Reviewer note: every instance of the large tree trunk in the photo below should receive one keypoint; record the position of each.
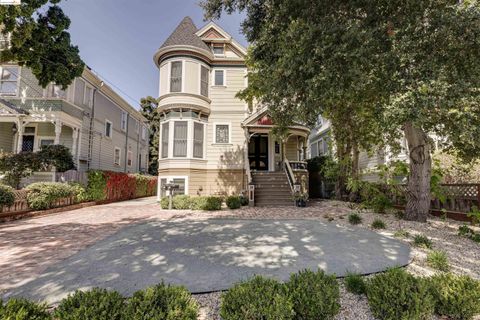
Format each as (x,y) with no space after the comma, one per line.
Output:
(418,193)
(343,156)
(354,196)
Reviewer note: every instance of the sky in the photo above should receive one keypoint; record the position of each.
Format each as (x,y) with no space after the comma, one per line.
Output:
(118,38)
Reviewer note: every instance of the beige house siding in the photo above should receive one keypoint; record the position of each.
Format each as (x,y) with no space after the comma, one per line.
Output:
(291,149)
(6,138)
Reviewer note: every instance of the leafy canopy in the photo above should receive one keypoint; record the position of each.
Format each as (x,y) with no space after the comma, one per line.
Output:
(40,41)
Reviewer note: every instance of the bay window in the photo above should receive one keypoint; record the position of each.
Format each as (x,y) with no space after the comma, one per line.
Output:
(182,139)
(9,80)
(176,76)
(180,135)
(165,127)
(204,81)
(198,140)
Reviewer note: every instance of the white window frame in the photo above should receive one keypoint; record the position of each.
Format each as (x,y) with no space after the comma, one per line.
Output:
(201,66)
(18,80)
(320,145)
(137,126)
(123,121)
(39,139)
(193,139)
(171,138)
(170,179)
(129,158)
(119,156)
(218,46)
(144,132)
(215,133)
(182,89)
(214,84)
(111,129)
(87,101)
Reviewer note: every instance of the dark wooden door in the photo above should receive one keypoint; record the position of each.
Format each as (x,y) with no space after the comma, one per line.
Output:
(258,153)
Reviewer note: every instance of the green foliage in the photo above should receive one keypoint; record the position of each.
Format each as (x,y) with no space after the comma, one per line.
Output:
(372,195)
(397,295)
(164,202)
(378,224)
(162,302)
(456,297)
(355,283)
(422,241)
(467,232)
(16,166)
(314,295)
(57,155)
(244,200)
(95,304)
(354,218)
(257,299)
(22,309)
(42,195)
(438,260)
(475,215)
(149,110)
(401,234)
(181,202)
(40,41)
(80,192)
(208,203)
(7,197)
(97,183)
(233,202)
(141,189)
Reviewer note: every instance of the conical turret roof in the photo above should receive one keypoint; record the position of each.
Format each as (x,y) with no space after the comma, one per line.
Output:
(184,34)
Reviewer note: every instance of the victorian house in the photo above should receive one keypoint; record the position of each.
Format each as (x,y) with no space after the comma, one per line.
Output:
(211,142)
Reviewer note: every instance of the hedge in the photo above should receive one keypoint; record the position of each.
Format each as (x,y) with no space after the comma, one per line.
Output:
(7,197)
(109,185)
(43,195)
(185,202)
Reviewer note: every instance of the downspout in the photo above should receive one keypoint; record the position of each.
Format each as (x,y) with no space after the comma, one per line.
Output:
(138,147)
(126,144)
(90,131)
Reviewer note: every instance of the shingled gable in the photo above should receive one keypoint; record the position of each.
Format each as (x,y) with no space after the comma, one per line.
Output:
(185,35)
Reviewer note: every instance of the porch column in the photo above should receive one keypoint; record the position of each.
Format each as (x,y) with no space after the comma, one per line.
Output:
(74,143)
(20,130)
(58,131)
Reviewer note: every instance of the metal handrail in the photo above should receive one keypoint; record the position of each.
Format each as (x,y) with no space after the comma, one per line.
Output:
(289,173)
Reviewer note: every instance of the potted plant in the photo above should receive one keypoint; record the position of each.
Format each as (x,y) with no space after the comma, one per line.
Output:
(300,199)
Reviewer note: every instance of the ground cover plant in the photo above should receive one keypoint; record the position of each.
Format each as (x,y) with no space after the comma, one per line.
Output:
(422,241)
(438,260)
(354,218)
(378,224)
(355,283)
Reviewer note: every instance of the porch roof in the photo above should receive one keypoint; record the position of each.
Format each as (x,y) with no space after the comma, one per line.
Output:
(260,121)
(7,108)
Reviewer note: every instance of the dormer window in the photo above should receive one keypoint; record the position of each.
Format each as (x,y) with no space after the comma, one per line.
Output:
(219,50)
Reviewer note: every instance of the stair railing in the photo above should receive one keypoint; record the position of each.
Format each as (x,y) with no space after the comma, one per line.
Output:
(290,176)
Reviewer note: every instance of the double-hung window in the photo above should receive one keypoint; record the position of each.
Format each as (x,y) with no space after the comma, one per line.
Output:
(176,76)
(108,129)
(129,158)
(165,129)
(180,138)
(204,81)
(219,77)
(117,156)
(9,80)
(124,121)
(88,97)
(219,50)
(198,134)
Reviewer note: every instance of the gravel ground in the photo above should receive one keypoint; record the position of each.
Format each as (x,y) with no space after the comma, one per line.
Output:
(463,254)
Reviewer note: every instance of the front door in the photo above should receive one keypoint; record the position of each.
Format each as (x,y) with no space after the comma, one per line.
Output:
(258,152)
(28,142)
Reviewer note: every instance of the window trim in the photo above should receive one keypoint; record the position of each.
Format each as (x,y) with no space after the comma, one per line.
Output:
(170,179)
(202,66)
(86,102)
(214,84)
(203,140)
(39,139)
(221,55)
(119,156)
(167,124)
(187,156)
(182,82)
(122,122)
(19,73)
(215,124)
(129,153)
(111,129)
(144,132)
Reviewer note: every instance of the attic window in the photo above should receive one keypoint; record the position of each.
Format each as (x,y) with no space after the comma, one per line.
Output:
(218,50)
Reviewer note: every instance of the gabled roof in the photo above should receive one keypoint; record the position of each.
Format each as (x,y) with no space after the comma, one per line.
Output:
(185,34)
(212,31)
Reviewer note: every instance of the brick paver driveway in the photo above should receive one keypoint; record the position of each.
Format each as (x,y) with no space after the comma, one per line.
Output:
(28,247)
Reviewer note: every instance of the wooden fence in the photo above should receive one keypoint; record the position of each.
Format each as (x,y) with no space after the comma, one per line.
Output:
(72,176)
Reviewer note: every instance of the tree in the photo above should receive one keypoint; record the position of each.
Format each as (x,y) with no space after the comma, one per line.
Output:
(149,106)
(39,40)
(413,65)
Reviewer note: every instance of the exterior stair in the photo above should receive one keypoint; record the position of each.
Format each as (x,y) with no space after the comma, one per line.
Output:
(272,189)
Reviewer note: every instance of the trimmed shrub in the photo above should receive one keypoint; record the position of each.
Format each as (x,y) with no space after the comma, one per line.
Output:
(120,186)
(23,309)
(244,200)
(181,202)
(378,224)
(162,302)
(81,194)
(457,297)
(208,203)
(57,155)
(164,202)
(145,185)
(397,295)
(438,260)
(257,299)
(97,183)
(314,295)
(95,304)
(42,195)
(233,202)
(422,241)
(354,218)
(355,283)
(7,197)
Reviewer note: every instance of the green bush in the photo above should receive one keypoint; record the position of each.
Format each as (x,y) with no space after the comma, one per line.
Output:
(465,231)
(378,224)
(354,218)
(401,234)
(244,200)
(22,309)
(81,194)
(422,241)
(438,260)
(97,184)
(57,155)
(7,197)
(355,283)
(233,202)
(397,295)
(164,202)
(257,299)
(208,203)
(141,189)
(162,302)
(181,202)
(314,295)
(95,304)
(457,297)
(42,195)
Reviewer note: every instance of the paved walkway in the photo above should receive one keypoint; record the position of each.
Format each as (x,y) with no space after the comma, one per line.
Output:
(133,244)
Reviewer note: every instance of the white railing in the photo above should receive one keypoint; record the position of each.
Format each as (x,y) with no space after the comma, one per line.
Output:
(290,176)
